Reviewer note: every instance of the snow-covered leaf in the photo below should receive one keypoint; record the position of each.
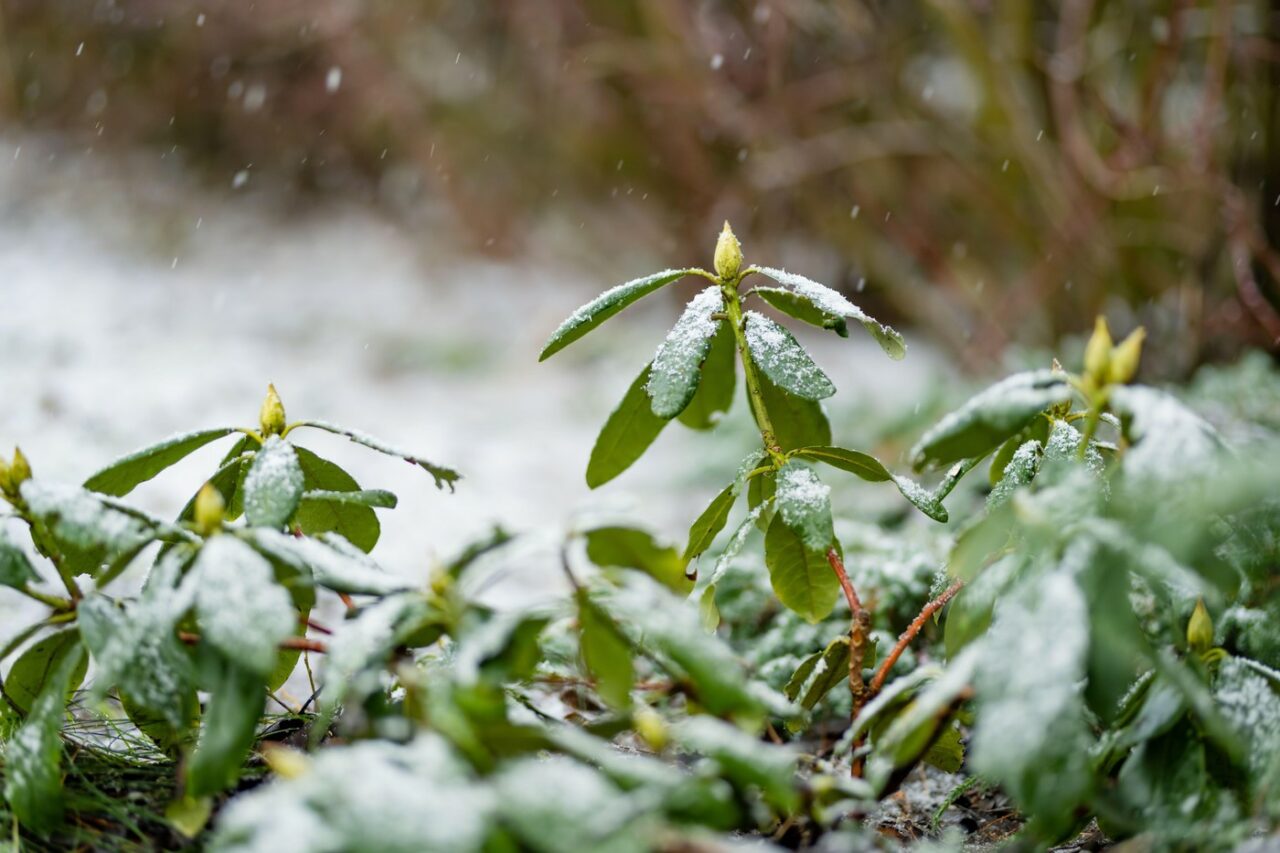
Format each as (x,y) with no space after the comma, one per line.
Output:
(33,756)
(443,476)
(984,422)
(122,476)
(330,560)
(380,498)
(819,673)
(359,648)
(783,360)
(605,306)
(243,612)
(677,365)
(625,436)
(802,308)
(745,760)
(801,577)
(273,486)
(872,470)
(714,396)
(804,503)
(831,302)
(1169,441)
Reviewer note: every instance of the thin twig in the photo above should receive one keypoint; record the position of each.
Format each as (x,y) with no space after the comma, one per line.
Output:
(859,628)
(305,644)
(910,634)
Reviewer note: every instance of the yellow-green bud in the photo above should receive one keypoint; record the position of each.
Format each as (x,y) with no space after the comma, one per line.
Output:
(209,510)
(728,258)
(5,483)
(1097,353)
(286,762)
(651,728)
(19,471)
(1200,629)
(1125,357)
(271,417)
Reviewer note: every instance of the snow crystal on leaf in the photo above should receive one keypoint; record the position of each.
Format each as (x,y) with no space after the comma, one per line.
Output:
(274,484)
(329,559)
(805,504)
(243,612)
(833,302)
(748,464)
(783,360)
(1249,701)
(739,538)
(85,521)
(673,376)
(1020,470)
(360,646)
(1169,440)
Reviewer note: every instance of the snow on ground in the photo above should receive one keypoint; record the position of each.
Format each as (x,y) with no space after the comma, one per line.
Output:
(135,303)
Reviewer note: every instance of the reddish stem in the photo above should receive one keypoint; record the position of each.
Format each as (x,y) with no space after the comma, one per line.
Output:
(904,640)
(305,644)
(859,628)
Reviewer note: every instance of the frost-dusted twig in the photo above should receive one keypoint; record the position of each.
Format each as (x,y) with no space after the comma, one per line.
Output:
(304,644)
(859,629)
(904,639)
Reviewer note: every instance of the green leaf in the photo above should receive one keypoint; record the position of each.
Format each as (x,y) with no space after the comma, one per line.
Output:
(33,756)
(228,480)
(123,476)
(380,498)
(803,309)
(744,759)
(629,548)
(354,521)
(946,750)
(801,577)
(783,360)
(273,486)
(167,738)
(677,366)
(626,434)
(243,612)
(714,396)
(606,653)
(804,505)
(327,558)
(796,422)
(991,418)
(869,468)
(832,302)
(819,673)
(227,735)
(42,661)
(605,306)
(360,647)
(443,476)
(137,648)
(709,524)
(15,567)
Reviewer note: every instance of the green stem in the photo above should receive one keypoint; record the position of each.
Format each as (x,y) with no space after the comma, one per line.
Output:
(733,309)
(44,598)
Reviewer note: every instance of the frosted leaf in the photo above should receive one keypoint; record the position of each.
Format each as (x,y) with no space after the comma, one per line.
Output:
(359,647)
(833,302)
(1169,440)
(783,360)
(243,612)
(273,486)
(92,528)
(742,757)
(676,368)
(397,798)
(805,505)
(921,498)
(136,648)
(442,475)
(749,463)
(329,559)
(1250,702)
(32,757)
(990,417)
(558,804)
(736,542)
(1030,712)
(125,473)
(1020,471)
(605,306)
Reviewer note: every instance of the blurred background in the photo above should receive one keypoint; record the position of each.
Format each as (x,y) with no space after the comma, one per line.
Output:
(385,207)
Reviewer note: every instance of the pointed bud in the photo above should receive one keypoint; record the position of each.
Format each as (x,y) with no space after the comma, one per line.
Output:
(209,510)
(651,727)
(1125,357)
(1200,629)
(19,471)
(6,484)
(271,417)
(1097,353)
(285,761)
(728,258)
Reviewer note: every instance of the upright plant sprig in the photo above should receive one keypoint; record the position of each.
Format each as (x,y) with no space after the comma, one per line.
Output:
(692,377)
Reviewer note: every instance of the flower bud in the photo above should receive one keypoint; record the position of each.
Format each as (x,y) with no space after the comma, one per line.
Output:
(285,761)
(651,727)
(5,474)
(1125,357)
(209,510)
(1200,629)
(271,417)
(1097,353)
(19,470)
(728,258)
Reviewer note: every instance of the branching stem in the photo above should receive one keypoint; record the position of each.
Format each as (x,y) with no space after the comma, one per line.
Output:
(859,630)
(913,630)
